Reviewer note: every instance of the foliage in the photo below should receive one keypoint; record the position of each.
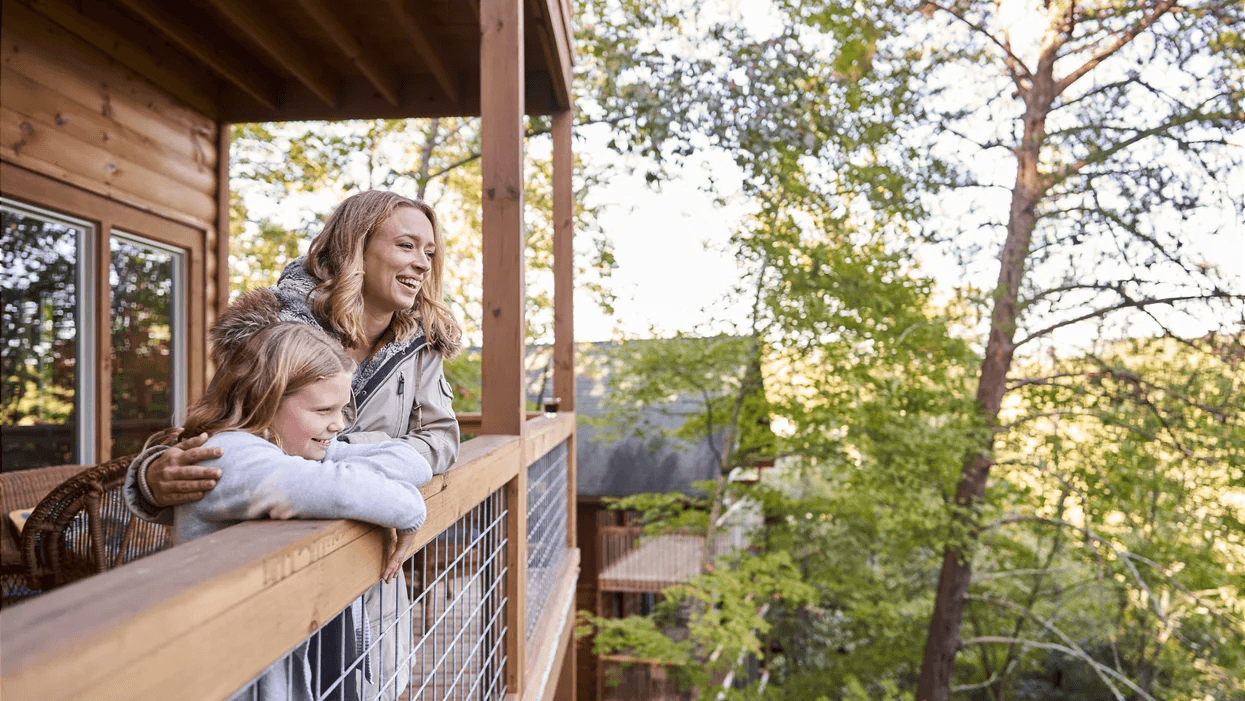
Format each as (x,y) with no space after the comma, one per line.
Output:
(858,130)
(667,512)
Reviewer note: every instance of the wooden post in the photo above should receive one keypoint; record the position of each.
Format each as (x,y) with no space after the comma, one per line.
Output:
(516,583)
(222,220)
(501,159)
(564,336)
(563,264)
(502,400)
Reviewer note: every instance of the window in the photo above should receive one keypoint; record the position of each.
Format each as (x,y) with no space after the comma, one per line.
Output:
(148,339)
(59,403)
(47,408)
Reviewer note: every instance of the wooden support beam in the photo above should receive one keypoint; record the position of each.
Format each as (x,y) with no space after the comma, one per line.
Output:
(501,160)
(424,48)
(363,59)
(516,581)
(244,76)
(222,219)
(274,43)
(563,263)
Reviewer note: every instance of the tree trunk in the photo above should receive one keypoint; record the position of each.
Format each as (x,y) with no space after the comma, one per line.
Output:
(943,640)
(425,158)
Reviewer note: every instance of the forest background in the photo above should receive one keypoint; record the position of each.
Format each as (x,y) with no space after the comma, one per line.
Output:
(1021,479)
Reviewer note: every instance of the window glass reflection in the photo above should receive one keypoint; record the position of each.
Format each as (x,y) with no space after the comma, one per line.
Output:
(39,356)
(145,279)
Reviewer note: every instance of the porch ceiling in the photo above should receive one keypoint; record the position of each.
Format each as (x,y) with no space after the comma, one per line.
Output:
(290,60)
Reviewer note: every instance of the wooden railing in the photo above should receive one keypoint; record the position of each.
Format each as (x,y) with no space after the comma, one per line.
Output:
(205,618)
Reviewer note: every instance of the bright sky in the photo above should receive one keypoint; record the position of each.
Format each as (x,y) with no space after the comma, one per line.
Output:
(671,248)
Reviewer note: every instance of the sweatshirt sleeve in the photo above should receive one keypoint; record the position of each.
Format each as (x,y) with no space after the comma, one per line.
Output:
(374,483)
(138,495)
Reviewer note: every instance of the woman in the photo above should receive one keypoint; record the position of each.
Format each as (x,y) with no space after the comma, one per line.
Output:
(372,280)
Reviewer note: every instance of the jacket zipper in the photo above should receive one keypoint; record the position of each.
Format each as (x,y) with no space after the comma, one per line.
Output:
(401,404)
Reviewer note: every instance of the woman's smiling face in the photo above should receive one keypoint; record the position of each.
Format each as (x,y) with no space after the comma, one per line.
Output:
(396,260)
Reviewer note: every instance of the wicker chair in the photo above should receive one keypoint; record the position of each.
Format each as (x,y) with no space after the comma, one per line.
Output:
(23,490)
(83,528)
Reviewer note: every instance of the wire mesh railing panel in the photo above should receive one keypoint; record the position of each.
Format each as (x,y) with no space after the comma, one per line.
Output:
(546,528)
(436,632)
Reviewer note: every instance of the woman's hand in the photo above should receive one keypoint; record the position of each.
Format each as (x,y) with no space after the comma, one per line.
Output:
(396,545)
(175,478)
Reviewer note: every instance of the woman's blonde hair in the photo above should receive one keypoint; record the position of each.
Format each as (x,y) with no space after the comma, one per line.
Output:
(336,260)
(271,365)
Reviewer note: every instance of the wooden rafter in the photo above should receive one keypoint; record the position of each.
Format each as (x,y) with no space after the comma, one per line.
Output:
(274,43)
(192,42)
(550,33)
(354,50)
(424,48)
(561,46)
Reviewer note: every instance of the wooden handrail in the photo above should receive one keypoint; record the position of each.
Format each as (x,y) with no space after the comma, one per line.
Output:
(212,614)
(542,433)
(473,421)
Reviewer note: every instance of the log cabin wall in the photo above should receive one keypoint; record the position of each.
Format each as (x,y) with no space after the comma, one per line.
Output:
(114,131)
(74,114)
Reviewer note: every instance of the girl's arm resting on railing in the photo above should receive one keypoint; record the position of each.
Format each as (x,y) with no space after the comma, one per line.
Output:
(377,483)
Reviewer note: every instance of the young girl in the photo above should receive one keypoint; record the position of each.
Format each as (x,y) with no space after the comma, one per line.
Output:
(275,406)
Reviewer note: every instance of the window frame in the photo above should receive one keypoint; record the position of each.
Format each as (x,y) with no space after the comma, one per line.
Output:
(55,199)
(181,295)
(85,402)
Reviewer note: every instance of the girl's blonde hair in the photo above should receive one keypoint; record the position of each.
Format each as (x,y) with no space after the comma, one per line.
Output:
(336,259)
(271,365)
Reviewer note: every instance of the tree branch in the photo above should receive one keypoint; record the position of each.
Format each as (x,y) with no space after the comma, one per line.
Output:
(1052,628)
(1016,68)
(1128,304)
(1098,666)
(1121,40)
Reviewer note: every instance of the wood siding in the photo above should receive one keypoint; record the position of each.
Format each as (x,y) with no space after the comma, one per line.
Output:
(71,112)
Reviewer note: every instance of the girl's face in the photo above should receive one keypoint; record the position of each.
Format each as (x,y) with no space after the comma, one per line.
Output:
(309,419)
(397,259)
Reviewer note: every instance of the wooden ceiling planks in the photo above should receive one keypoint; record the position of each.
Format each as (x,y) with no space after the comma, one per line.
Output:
(363,58)
(274,43)
(424,47)
(256,83)
(292,60)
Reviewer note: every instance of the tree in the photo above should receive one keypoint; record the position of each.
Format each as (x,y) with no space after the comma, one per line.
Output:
(1113,122)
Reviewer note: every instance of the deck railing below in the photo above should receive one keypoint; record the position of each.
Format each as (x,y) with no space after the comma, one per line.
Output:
(208,618)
